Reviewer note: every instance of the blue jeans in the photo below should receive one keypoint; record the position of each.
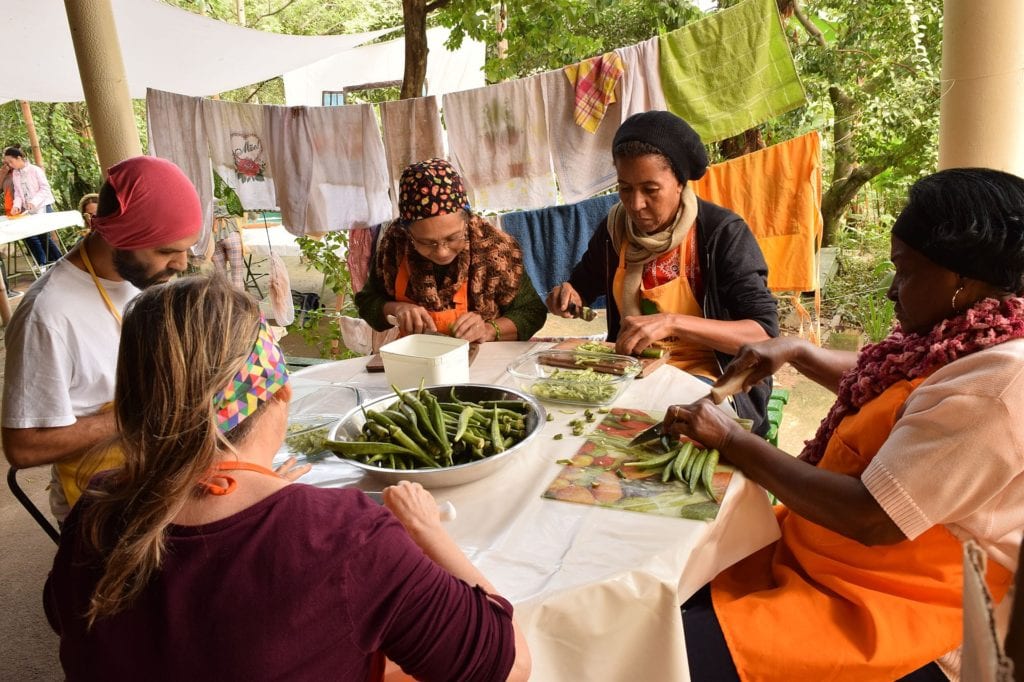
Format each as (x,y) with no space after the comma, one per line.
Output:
(42,246)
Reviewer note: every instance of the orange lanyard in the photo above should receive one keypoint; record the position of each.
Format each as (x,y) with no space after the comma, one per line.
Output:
(207,484)
(99,285)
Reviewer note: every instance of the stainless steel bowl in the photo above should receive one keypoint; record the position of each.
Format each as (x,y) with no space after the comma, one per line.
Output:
(350,425)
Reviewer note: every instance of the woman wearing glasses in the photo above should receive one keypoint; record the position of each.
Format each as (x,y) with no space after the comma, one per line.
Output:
(442,268)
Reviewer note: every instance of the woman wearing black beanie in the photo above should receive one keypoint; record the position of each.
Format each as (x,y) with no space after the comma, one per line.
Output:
(676,271)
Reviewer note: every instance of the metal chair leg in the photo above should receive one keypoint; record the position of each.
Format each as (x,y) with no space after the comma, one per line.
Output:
(40,518)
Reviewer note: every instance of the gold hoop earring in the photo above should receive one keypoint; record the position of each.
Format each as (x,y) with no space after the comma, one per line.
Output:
(955,294)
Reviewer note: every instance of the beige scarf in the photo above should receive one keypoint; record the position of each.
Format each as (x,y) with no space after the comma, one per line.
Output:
(642,248)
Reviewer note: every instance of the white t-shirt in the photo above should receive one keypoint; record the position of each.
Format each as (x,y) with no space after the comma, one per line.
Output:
(956,455)
(62,349)
(62,354)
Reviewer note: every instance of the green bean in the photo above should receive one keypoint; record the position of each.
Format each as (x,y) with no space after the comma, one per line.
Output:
(408,443)
(438,423)
(407,424)
(359,448)
(421,412)
(666,473)
(709,473)
(694,468)
(679,464)
(467,414)
(496,440)
(652,462)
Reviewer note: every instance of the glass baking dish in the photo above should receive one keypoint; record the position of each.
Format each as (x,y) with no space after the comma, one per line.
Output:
(574,377)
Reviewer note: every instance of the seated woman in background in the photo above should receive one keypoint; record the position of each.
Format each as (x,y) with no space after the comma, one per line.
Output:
(87,206)
(440,267)
(676,271)
(197,561)
(921,451)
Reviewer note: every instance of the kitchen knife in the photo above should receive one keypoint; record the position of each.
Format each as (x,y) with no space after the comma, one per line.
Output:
(717,394)
(446,509)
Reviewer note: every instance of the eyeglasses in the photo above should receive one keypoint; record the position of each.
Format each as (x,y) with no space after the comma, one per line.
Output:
(451,243)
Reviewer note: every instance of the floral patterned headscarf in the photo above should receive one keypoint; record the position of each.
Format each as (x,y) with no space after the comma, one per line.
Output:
(430,188)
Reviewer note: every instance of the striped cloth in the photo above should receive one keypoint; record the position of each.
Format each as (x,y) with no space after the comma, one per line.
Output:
(595,80)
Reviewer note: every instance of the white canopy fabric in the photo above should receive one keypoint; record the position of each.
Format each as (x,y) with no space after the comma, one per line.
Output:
(163,47)
(447,70)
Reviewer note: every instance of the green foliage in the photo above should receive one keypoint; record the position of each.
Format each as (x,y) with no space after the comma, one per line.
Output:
(548,35)
(874,85)
(65,141)
(322,328)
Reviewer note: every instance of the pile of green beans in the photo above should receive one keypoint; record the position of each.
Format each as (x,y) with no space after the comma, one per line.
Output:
(684,462)
(418,431)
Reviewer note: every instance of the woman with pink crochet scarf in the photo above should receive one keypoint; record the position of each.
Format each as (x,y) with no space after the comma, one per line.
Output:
(922,450)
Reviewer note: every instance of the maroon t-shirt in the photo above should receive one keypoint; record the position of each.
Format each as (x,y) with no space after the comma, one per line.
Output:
(305,585)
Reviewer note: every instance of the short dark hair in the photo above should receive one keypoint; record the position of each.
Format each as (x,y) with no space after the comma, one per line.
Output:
(15,151)
(969,221)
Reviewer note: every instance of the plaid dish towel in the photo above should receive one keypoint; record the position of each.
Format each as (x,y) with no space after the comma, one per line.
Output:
(595,81)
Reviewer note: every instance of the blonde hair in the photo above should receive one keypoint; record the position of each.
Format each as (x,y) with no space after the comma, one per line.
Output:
(181,342)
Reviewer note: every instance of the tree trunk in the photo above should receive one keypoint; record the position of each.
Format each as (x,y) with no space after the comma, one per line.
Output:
(746,142)
(414,18)
(848,176)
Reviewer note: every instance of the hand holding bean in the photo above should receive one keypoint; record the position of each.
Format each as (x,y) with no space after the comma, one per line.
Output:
(471,327)
(412,319)
(414,507)
(702,421)
(560,297)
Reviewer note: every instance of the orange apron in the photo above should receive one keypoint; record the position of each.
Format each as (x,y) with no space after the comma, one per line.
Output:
(816,605)
(443,319)
(673,297)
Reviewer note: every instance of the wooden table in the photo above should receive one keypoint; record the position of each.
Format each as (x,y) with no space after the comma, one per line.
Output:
(597,591)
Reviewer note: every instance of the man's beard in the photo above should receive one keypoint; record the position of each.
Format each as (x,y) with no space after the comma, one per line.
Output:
(129,268)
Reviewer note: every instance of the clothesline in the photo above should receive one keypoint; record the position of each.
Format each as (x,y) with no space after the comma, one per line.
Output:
(516,143)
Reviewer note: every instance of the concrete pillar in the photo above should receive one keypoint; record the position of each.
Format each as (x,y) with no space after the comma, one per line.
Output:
(101,69)
(981,116)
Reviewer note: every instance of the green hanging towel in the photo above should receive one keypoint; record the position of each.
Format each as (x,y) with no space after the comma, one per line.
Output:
(730,71)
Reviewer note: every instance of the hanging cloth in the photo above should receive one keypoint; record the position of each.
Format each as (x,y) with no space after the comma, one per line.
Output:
(730,71)
(498,138)
(594,81)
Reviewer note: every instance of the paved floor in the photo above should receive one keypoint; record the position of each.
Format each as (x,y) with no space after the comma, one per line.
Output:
(28,648)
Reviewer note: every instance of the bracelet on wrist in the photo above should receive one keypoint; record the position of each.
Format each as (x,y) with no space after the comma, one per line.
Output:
(497,329)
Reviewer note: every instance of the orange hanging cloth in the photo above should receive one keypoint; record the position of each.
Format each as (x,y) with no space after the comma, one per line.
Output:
(777,190)
(443,319)
(816,605)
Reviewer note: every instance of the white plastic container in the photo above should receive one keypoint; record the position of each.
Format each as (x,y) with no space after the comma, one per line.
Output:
(427,358)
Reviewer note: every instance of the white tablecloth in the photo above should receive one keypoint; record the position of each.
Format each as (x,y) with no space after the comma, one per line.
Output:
(13,229)
(597,591)
(260,240)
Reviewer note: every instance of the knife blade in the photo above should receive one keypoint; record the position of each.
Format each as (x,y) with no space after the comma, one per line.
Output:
(393,321)
(446,509)
(718,395)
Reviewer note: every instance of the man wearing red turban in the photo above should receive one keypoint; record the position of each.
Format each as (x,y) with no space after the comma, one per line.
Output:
(62,342)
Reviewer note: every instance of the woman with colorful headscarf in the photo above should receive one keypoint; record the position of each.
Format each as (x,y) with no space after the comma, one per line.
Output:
(675,270)
(440,267)
(922,450)
(198,561)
